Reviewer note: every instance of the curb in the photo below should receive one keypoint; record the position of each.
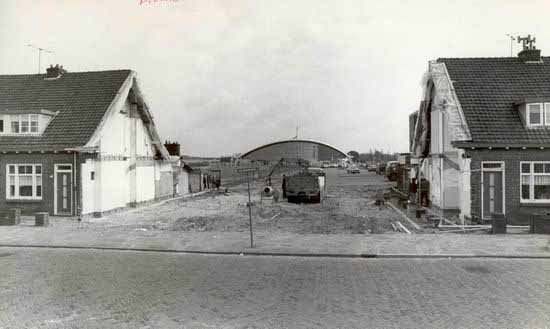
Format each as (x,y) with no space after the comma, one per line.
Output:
(285,254)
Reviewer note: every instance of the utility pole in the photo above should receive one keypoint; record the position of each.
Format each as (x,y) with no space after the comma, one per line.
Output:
(512,39)
(249,171)
(40,50)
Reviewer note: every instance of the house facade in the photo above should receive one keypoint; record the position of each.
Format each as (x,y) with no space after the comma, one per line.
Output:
(79,143)
(482,135)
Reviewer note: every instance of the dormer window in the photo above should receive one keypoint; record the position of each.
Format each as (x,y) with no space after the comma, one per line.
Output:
(25,124)
(534,114)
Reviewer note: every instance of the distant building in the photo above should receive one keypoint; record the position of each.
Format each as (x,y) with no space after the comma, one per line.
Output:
(79,141)
(482,135)
(293,149)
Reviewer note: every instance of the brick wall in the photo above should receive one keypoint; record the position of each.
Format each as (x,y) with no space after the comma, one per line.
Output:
(515,211)
(47,160)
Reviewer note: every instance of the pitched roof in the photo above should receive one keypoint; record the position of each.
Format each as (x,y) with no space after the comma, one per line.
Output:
(80,98)
(487,89)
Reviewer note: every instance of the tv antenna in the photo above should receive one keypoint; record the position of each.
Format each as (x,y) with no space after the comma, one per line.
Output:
(40,50)
(512,39)
(528,43)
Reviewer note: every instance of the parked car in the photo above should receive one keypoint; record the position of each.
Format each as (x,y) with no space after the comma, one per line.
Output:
(316,170)
(353,170)
(372,167)
(392,170)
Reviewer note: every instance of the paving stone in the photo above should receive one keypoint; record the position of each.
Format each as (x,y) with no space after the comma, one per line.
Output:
(107,289)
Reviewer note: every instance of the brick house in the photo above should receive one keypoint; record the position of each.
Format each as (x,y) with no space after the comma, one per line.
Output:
(78,141)
(482,135)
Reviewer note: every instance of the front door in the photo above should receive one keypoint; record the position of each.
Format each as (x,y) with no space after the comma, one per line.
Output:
(63,189)
(492,193)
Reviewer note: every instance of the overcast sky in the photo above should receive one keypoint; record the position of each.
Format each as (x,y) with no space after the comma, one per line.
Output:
(225,76)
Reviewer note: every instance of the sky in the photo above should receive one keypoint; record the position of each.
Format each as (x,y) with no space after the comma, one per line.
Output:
(225,76)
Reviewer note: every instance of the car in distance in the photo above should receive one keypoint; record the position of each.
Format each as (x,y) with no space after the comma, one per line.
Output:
(392,170)
(316,170)
(372,167)
(353,170)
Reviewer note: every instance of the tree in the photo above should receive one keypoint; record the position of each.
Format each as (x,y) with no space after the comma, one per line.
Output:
(354,155)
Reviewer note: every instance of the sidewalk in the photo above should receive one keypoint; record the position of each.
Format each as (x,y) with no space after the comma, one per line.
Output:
(334,245)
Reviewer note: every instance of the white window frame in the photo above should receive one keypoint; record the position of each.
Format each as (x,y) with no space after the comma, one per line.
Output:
(31,118)
(547,114)
(531,175)
(528,115)
(16,181)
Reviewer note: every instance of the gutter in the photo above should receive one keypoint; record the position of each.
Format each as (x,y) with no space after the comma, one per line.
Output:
(473,145)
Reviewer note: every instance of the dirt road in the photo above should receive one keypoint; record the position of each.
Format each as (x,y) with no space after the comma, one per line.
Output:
(349,208)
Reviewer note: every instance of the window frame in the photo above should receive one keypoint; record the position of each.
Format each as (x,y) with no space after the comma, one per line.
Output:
(531,176)
(21,124)
(17,176)
(528,114)
(546,108)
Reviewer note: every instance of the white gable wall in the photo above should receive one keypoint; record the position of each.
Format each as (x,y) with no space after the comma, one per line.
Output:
(446,170)
(124,168)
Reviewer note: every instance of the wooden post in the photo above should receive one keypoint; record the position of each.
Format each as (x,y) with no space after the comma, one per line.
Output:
(250,213)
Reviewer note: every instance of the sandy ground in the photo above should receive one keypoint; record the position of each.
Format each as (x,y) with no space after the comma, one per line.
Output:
(349,208)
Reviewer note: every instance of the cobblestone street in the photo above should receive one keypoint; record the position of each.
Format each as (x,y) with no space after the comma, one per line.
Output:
(49,288)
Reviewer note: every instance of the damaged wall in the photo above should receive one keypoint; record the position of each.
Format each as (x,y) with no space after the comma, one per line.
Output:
(441,121)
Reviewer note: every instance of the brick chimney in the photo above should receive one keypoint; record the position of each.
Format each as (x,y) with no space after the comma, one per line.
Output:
(173,148)
(54,72)
(529,55)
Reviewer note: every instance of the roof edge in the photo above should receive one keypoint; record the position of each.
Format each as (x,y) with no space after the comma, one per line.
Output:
(293,140)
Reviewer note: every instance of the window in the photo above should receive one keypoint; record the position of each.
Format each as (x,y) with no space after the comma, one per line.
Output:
(33,123)
(14,124)
(547,114)
(24,181)
(24,121)
(20,123)
(534,114)
(535,181)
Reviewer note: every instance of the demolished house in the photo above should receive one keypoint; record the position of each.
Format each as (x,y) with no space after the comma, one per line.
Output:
(482,135)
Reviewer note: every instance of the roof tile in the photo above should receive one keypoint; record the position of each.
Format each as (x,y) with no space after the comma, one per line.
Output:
(487,89)
(82,98)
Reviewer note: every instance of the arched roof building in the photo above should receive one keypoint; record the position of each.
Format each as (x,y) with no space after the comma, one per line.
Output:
(294,149)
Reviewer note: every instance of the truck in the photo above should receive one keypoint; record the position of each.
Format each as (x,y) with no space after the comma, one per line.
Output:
(306,186)
(392,171)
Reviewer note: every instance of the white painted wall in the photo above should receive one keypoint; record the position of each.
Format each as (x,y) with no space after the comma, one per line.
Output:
(435,182)
(465,184)
(113,185)
(88,187)
(451,179)
(113,170)
(183,183)
(145,183)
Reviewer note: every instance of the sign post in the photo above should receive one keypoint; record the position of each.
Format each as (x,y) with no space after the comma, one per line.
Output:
(248,172)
